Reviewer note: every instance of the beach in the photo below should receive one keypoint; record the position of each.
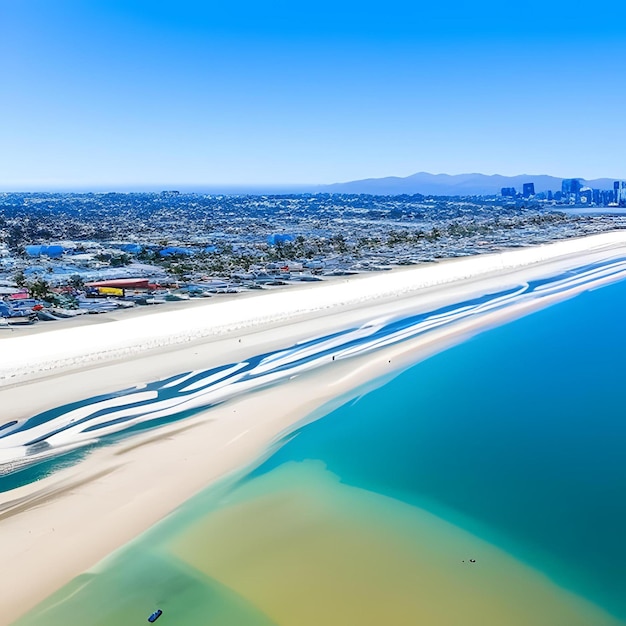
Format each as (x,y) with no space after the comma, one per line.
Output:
(54,529)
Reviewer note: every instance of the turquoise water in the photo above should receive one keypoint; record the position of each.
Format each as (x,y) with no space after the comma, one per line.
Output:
(518,435)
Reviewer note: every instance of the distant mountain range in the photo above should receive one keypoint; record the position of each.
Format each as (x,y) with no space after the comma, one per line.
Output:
(420,183)
(457,185)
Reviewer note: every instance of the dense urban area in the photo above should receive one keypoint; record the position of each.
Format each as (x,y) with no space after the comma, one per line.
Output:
(62,255)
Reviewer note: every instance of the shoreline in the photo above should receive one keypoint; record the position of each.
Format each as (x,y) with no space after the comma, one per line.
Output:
(33,356)
(53,530)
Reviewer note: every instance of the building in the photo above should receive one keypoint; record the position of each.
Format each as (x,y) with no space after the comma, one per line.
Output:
(528,190)
(571,186)
(586,195)
(619,189)
(607,196)
(54,252)
(508,192)
(597,196)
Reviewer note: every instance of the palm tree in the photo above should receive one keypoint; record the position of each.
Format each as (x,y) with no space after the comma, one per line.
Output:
(39,289)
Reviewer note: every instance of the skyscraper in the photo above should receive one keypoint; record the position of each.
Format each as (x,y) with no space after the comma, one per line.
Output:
(571,185)
(597,196)
(586,195)
(619,187)
(529,190)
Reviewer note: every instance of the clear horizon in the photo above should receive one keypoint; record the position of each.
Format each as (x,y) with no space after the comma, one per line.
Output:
(128,94)
(152,187)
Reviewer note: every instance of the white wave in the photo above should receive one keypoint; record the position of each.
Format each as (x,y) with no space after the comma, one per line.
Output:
(222,374)
(82,425)
(62,421)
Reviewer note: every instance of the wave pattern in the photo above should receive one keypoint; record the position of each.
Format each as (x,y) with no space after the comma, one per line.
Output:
(55,432)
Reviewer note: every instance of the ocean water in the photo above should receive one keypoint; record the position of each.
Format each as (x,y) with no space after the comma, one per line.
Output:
(483,486)
(519,434)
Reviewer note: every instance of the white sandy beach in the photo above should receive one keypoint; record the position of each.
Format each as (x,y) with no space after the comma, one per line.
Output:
(53,530)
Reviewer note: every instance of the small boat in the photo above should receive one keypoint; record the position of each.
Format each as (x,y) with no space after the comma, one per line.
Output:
(155,616)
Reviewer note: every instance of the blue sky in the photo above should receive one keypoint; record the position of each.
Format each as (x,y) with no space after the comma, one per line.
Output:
(131,93)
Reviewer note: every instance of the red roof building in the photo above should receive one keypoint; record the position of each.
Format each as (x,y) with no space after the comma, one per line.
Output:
(124,283)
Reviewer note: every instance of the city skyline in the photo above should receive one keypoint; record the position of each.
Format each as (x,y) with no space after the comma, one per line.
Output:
(132,94)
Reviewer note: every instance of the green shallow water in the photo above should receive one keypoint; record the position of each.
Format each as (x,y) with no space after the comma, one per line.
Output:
(131,586)
(507,449)
(296,546)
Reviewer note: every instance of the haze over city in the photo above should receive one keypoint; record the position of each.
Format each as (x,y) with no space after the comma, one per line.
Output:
(111,94)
